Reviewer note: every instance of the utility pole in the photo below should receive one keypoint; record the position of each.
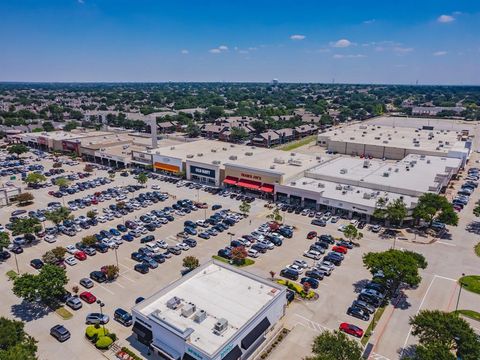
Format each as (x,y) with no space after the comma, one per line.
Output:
(459,293)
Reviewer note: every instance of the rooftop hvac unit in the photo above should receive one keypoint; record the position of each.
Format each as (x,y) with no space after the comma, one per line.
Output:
(220,326)
(318,157)
(321,185)
(272,167)
(199,316)
(366,164)
(293,183)
(248,153)
(232,157)
(224,149)
(172,148)
(396,170)
(352,138)
(216,162)
(377,138)
(418,145)
(174,303)
(367,196)
(188,309)
(200,154)
(189,156)
(213,150)
(343,171)
(386,174)
(338,187)
(385,141)
(278,161)
(428,161)
(344,192)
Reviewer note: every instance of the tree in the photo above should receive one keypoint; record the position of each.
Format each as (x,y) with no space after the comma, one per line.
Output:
(112,272)
(89,240)
(58,215)
(445,330)
(259,126)
(397,267)
(335,346)
(57,165)
(24,198)
(62,182)
(396,211)
(4,240)
(70,126)
(238,134)
(25,226)
(352,233)
(48,126)
(91,214)
(15,343)
(17,149)
(239,254)
(431,206)
(34,178)
(275,215)
(191,262)
(244,207)
(49,258)
(192,130)
(380,211)
(59,252)
(121,204)
(46,287)
(88,168)
(476,209)
(431,352)
(272,274)
(142,178)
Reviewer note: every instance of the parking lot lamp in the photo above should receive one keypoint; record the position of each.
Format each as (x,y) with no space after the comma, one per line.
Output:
(16,262)
(231,235)
(459,293)
(116,257)
(101,304)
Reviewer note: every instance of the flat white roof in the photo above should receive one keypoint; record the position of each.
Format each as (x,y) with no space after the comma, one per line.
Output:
(417,122)
(223,293)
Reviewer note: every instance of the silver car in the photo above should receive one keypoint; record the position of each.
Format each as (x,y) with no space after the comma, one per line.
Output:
(97,318)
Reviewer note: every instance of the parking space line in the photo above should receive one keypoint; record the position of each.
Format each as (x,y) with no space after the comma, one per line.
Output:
(445,243)
(126,277)
(120,285)
(107,290)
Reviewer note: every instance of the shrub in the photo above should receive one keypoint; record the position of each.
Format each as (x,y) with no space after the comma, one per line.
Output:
(93,332)
(112,336)
(104,342)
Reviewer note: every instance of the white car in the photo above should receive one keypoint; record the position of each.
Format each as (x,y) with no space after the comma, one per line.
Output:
(342,227)
(71,261)
(71,249)
(201,223)
(101,219)
(253,253)
(73,207)
(156,187)
(183,246)
(153,247)
(120,198)
(334,219)
(295,268)
(162,244)
(50,238)
(110,243)
(301,263)
(312,254)
(354,222)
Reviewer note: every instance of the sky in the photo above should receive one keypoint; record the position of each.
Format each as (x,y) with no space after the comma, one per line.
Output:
(341,41)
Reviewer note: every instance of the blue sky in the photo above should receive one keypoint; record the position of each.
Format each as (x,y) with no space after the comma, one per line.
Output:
(355,41)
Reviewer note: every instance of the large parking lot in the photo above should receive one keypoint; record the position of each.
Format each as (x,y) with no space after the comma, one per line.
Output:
(336,292)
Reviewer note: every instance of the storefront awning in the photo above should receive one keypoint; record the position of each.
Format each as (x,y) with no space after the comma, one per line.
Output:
(249,184)
(267,188)
(230,180)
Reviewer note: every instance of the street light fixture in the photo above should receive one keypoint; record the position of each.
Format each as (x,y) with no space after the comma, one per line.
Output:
(459,293)
(101,304)
(16,262)
(116,257)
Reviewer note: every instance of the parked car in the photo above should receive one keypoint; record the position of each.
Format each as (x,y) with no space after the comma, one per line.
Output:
(289,274)
(98,276)
(123,317)
(88,297)
(60,333)
(36,264)
(141,268)
(351,329)
(97,318)
(86,283)
(358,313)
(74,303)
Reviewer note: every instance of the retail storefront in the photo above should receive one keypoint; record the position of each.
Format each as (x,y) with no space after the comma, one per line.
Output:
(203,173)
(259,182)
(167,164)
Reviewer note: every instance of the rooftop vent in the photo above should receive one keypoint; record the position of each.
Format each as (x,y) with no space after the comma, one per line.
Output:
(188,309)
(199,316)
(292,154)
(213,150)
(200,154)
(220,326)
(338,187)
(172,148)
(189,156)
(232,157)
(249,153)
(174,303)
(216,162)
(386,174)
(321,185)
(272,167)
(343,171)
(224,149)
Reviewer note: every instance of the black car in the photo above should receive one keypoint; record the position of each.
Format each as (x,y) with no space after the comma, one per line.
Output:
(36,264)
(98,276)
(334,260)
(147,239)
(364,306)
(16,249)
(289,274)
(4,255)
(315,274)
(137,256)
(358,313)
(327,238)
(141,268)
(101,247)
(224,253)
(290,295)
(123,317)
(190,242)
(60,333)
(216,207)
(159,258)
(260,248)
(371,300)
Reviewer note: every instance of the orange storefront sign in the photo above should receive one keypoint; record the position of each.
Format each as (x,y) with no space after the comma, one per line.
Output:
(166,167)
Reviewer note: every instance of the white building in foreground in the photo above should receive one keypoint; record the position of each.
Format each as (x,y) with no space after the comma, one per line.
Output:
(214,312)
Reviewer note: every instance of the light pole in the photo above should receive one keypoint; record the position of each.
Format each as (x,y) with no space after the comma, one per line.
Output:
(231,235)
(459,293)
(101,304)
(116,257)
(16,262)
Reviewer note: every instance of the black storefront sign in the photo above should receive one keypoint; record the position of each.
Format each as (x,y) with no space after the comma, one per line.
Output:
(199,171)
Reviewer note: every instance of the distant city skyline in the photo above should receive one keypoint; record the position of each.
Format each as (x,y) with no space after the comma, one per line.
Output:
(371,42)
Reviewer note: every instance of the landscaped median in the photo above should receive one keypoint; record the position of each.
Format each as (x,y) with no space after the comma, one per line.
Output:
(376,317)
(100,336)
(299,289)
(471,283)
(474,315)
(63,313)
(477,249)
(246,262)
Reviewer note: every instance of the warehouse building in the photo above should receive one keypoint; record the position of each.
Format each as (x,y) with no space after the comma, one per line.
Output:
(214,312)
(352,186)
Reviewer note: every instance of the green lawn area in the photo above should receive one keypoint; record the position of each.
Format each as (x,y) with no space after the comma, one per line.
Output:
(469,313)
(298,288)
(11,274)
(64,313)
(296,144)
(477,249)
(376,317)
(246,263)
(471,283)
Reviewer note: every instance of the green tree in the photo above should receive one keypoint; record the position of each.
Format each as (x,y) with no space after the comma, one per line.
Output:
(259,126)
(58,215)
(192,130)
(142,178)
(48,126)
(15,343)
(397,266)
(352,233)
(4,240)
(59,252)
(431,206)
(112,272)
(394,211)
(62,182)
(91,214)
(431,352)
(445,330)
(25,226)
(34,178)
(244,207)
(49,257)
(70,126)
(89,240)
(275,215)
(46,287)
(380,211)
(238,134)
(24,198)
(191,262)
(214,112)
(476,209)
(17,149)
(335,345)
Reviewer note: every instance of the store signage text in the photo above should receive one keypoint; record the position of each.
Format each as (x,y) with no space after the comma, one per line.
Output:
(250,176)
(202,171)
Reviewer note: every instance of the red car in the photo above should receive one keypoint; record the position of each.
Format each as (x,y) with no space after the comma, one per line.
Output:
(340,249)
(311,235)
(351,329)
(94,201)
(88,297)
(80,255)
(51,193)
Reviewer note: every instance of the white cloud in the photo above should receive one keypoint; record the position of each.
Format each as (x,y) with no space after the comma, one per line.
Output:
(218,50)
(445,19)
(297,37)
(457,13)
(81,1)
(371,21)
(342,43)
(223,48)
(350,56)
(215,51)
(440,53)
(402,50)
(184,51)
